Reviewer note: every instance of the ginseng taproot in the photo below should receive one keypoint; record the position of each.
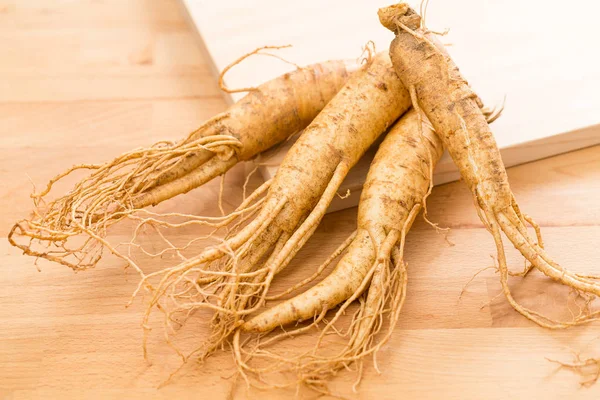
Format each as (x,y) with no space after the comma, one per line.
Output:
(233,278)
(454,110)
(139,178)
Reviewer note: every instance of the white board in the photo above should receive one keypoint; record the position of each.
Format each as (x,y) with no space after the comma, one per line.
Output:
(541,55)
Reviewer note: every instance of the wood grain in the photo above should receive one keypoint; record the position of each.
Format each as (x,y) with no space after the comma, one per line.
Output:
(86,80)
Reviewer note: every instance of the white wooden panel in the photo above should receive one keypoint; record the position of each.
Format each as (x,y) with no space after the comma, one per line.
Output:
(541,55)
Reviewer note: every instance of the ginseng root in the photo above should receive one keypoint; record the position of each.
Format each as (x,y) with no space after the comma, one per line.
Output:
(396,188)
(372,269)
(444,96)
(234,277)
(115,190)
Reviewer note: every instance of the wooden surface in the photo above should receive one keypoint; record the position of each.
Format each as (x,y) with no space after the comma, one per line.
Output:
(503,48)
(86,80)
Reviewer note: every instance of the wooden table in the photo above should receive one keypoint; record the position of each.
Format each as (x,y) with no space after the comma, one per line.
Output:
(81,81)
